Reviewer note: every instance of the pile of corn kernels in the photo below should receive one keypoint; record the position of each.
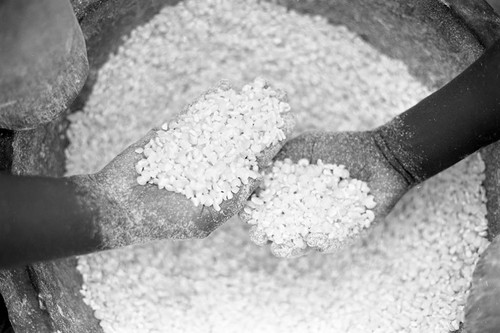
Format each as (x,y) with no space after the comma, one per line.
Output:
(212,149)
(411,274)
(302,205)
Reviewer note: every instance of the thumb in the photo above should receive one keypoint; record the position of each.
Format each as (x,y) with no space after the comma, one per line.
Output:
(302,146)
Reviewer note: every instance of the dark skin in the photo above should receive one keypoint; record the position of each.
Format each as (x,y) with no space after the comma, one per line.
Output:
(441,130)
(359,152)
(362,156)
(148,212)
(46,218)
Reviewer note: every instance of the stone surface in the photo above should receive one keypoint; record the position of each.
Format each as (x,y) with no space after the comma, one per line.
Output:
(44,297)
(480,18)
(482,309)
(43,62)
(433,41)
(21,299)
(491,156)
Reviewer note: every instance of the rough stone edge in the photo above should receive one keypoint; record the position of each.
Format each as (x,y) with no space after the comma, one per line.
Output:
(479,17)
(22,303)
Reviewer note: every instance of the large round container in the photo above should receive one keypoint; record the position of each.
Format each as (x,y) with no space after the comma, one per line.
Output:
(435,39)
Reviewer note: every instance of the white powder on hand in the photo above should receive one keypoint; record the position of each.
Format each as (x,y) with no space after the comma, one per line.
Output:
(212,149)
(304,205)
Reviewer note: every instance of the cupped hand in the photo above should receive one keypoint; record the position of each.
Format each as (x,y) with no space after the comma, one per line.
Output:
(360,153)
(134,213)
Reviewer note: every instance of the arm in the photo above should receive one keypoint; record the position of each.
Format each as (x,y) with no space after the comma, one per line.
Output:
(45,218)
(450,124)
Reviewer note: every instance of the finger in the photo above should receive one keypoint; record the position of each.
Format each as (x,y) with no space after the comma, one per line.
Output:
(300,147)
(266,157)
(193,221)
(162,213)
(351,149)
(231,207)
(335,148)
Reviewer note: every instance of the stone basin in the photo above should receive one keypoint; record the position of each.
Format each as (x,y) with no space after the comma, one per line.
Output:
(435,39)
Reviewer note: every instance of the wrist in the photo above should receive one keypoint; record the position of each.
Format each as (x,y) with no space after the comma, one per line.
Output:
(450,124)
(396,155)
(110,218)
(45,218)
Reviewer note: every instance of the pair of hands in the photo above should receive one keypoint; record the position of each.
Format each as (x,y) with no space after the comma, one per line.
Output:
(134,213)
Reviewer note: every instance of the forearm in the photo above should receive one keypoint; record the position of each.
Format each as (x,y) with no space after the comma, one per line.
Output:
(46,218)
(450,124)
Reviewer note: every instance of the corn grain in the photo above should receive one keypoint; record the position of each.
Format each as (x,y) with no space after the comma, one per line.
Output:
(308,206)
(213,148)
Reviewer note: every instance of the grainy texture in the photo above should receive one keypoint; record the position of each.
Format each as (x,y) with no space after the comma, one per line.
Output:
(131,213)
(22,302)
(485,24)
(480,17)
(308,205)
(210,150)
(104,22)
(359,152)
(435,45)
(492,185)
(6,137)
(58,287)
(41,152)
(169,64)
(411,272)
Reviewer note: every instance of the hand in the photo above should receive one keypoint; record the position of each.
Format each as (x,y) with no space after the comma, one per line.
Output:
(134,213)
(360,154)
